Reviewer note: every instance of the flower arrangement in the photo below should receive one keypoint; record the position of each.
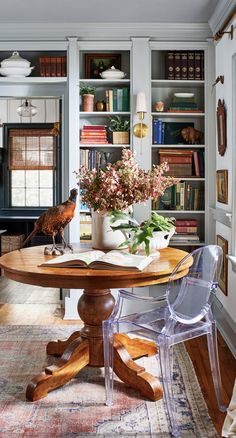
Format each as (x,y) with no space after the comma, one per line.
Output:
(122,184)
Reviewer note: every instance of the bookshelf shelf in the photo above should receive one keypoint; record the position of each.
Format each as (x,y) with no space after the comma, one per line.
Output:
(32,80)
(103,113)
(178,146)
(176,115)
(176,83)
(187,243)
(110,145)
(105,82)
(181,211)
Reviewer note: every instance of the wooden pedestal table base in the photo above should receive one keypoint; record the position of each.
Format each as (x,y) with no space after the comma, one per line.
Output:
(85,347)
(95,305)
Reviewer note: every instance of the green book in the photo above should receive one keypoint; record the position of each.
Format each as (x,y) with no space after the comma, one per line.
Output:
(119,99)
(125,99)
(114,99)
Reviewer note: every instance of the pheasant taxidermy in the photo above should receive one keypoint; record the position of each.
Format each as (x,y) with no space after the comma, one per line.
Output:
(53,221)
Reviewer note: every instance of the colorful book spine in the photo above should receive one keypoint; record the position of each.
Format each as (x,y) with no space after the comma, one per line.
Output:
(125,99)
(59,66)
(196,163)
(119,99)
(184,65)
(115,99)
(53,66)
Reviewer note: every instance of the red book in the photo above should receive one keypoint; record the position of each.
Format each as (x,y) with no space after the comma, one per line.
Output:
(186,222)
(92,127)
(53,66)
(42,65)
(196,163)
(176,159)
(58,66)
(47,66)
(63,66)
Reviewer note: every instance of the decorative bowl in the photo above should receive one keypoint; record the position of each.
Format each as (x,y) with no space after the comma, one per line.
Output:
(159,240)
(184,95)
(16,71)
(112,73)
(15,60)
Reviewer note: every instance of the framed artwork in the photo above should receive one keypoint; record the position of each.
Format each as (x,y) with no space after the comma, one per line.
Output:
(96,63)
(223,279)
(221,127)
(222,186)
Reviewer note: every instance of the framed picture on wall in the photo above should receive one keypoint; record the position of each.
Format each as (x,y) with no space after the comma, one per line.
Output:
(223,279)
(96,63)
(222,186)
(221,127)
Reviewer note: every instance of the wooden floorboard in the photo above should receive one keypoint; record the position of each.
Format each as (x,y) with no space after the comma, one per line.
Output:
(25,304)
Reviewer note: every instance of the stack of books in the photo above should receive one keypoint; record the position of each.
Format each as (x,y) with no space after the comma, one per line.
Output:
(117,99)
(52,66)
(186,231)
(180,161)
(93,134)
(184,103)
(185,65)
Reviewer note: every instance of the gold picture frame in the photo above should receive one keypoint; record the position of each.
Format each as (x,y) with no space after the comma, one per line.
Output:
(223,279)
(93,61)
(222,186)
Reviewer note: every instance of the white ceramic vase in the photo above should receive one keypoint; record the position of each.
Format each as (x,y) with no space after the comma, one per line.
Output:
(103,237)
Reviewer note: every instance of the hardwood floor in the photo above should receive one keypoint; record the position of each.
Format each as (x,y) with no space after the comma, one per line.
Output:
(31,305)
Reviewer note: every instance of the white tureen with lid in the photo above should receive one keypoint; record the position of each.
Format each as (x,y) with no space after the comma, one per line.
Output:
(112,73)
(15,66)
(15,60)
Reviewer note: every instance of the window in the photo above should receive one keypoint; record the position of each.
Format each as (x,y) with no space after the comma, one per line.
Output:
(31,166)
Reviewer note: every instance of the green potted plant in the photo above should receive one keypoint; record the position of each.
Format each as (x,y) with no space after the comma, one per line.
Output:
(120,130)
(152,234)
(87,92)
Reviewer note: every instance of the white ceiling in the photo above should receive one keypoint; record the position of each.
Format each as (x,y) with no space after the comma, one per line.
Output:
(117,11)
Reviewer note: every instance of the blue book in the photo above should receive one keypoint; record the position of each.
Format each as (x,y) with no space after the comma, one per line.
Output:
(159,134)
(155,131)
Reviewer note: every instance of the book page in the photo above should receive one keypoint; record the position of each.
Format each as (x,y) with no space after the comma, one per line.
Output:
(123,259)
(82,258)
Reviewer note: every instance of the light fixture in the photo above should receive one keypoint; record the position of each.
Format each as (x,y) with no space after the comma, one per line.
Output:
(141,129)
(27,109)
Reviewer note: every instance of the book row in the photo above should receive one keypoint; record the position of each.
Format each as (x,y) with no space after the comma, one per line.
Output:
(185,65)
(91,159)
(53,66)
(117,99)
(170,132)
(182,196)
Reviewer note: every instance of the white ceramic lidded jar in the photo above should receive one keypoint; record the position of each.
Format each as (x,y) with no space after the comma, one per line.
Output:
(112,73)
(15,60)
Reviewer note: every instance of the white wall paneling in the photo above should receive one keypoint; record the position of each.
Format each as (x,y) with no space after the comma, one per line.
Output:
(226,66)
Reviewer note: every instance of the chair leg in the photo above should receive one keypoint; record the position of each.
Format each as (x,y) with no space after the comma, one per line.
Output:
(108,342)
(166,363)
(215,367)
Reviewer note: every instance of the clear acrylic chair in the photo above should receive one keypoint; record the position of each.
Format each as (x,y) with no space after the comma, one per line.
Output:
(186,314)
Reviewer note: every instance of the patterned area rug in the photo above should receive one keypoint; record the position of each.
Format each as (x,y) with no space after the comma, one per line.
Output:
(77,409)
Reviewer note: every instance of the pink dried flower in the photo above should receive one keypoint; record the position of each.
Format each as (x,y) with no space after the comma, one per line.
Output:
(122,184)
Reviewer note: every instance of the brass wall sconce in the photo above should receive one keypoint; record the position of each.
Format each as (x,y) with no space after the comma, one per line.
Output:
(141,129)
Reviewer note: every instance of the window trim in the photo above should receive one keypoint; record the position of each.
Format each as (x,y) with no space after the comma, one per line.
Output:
(5,201)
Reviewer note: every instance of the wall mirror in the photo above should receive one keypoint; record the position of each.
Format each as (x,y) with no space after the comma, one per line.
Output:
(221,127)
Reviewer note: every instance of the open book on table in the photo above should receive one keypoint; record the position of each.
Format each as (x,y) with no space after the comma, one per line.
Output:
(114,260)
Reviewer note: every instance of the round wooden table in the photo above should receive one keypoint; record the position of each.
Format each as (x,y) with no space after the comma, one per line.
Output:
(85,347)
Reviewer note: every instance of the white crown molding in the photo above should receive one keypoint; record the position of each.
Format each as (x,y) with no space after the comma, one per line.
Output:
(222,11)
(104,31)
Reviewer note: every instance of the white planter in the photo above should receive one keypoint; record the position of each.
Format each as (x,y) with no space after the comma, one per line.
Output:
(103,237)
(159,240)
